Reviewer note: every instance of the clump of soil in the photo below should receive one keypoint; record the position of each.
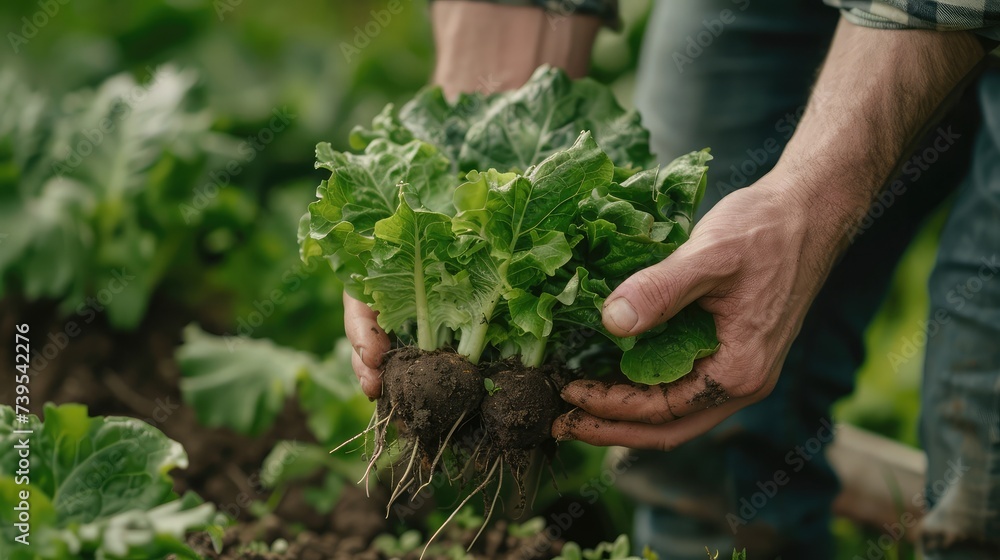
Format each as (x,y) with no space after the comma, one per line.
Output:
(518,416)
(440,403)
(431,392)
(519,413)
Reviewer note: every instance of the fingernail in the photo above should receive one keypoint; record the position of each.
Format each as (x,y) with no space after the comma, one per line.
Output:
(571,393)
(561,428)
(622,314)
(560,431)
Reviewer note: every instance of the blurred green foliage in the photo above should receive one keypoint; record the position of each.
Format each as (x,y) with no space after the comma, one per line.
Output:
(245,60)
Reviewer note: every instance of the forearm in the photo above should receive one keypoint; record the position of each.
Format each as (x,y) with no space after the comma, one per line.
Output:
(492,47)
(876,93)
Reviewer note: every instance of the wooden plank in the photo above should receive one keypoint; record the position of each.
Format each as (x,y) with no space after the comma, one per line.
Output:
(881,478)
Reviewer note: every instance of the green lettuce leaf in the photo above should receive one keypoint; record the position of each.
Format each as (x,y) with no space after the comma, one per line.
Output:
(558,206)
(668,352)
(98,487)
(243,383)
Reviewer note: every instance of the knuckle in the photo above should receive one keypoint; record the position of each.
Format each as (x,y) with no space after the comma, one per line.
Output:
(753,385)
(655,288)
(654,414)
(665,444)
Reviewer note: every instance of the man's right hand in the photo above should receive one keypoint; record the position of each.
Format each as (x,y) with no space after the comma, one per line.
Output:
(370,344)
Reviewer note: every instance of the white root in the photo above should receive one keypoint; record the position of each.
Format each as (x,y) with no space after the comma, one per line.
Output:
(489,478)
(489,514)
(471,461)
(444,445)
(399,487)
(371,426)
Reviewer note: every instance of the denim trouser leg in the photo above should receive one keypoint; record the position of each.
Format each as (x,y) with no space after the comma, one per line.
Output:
(760,479)
(960,426)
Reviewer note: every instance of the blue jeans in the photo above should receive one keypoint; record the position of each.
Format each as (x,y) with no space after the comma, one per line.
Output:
(734,75)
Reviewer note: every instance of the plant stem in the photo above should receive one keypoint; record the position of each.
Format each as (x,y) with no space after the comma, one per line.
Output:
(445,336)
(474,339)
(426,336)
(533,353)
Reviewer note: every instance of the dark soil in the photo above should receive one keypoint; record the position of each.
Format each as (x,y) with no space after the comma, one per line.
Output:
(430,392)
(714,394)
(519,414)
(256,541)
(134,374)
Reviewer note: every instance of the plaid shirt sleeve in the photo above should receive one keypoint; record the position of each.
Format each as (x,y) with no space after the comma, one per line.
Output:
(979,16)
(607,10)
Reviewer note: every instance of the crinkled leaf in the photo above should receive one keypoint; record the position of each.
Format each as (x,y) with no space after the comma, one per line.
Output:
(554,212)
(236,381)
(99,487)
(671,193)
(668,353)
(363,189)
(408,245)
(527,125)
(505,214)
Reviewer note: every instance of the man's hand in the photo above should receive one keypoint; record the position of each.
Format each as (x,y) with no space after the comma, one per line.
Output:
(756,261)
(370,345)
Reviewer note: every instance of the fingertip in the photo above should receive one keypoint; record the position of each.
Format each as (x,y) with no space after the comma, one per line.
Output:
(579,392)
(563,427)
(619,316)
(368,378)
(372,388)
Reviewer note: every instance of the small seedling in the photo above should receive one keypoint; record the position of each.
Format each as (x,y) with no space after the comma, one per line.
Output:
(491,387)
(398,546)
(528,529)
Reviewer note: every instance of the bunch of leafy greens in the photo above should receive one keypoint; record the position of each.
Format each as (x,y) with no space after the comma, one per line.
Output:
(92,488)
(495,224)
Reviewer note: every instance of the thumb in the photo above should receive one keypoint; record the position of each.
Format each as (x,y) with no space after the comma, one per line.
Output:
(655,294)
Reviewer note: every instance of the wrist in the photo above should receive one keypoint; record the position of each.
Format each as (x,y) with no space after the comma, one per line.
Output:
(829,205)
(488,47)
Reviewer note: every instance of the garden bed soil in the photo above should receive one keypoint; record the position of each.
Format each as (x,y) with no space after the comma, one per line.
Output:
(135,374)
